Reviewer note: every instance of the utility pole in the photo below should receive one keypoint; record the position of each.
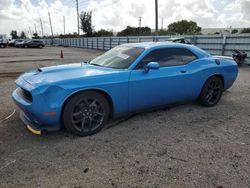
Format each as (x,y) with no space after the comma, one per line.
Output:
(156,17)
(41,26)
(161,23)
(77,10)
(64,25)
(35,28)
(140,25)
(52,36)
(30,31)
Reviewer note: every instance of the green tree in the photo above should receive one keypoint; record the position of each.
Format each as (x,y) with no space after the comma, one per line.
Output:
(234,31)
(133,31)
(13,34)
(184,27)
(165,32)
(103,33)
(23,35)
(86,23)
(69,35)
(35,36)
(245,30)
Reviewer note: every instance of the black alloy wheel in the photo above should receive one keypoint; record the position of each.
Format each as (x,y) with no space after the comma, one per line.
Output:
(211,91)
(86,113)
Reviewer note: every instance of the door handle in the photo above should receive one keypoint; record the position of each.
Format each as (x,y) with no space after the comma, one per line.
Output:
(183,71)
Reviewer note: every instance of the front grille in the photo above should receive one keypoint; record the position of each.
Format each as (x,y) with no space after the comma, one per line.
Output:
(26,95)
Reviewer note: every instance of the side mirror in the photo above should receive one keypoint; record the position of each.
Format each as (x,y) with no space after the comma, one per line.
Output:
(152,65)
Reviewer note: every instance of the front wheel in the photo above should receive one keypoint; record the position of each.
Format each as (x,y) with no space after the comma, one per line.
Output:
(86,113)
(211,91)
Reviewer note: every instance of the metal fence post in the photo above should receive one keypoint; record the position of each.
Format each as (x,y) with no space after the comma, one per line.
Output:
(87,42)
(110,43)
(223,44)
(103,44)
(92,42)
(97,43)
(195,40)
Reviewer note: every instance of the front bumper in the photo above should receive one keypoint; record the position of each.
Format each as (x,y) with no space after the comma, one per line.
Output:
(31,126)
(33,116)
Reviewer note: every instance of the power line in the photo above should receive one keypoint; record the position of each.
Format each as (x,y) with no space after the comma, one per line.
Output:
(97,8)
(103,6)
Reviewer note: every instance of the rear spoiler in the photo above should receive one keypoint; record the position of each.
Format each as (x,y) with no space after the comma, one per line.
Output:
(223,57)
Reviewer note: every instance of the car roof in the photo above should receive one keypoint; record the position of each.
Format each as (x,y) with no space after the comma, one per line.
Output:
(152,45)
(156,44)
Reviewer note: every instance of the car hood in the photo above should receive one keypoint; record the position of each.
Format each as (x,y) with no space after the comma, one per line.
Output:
(59,73)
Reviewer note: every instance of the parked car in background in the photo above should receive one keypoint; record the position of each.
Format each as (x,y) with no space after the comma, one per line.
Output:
(12,42)
(125,80)
(34,43)
(3,41)
(19,43)
(179,40)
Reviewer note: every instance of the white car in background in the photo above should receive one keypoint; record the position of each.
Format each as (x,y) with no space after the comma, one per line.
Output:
(3,41)
(19,43)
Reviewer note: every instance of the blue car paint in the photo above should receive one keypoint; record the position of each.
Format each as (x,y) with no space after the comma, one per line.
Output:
(128,89)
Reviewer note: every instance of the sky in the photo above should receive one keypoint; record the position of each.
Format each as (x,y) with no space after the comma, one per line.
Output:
(115,15)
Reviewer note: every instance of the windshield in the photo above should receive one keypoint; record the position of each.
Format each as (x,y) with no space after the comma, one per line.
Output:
(120,57)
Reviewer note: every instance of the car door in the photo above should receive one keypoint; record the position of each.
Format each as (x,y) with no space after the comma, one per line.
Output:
(32,43)
(169,84)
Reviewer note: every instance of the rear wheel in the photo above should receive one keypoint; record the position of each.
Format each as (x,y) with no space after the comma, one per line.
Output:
(40,46)
(25,46)
(211,91)
(86,113)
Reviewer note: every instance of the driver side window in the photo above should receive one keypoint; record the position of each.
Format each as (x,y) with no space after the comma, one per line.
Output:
(167,57)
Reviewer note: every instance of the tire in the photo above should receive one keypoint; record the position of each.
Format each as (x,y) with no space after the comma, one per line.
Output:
(40,46)
(25,46)
(86,113)
(2,45)
(211,92)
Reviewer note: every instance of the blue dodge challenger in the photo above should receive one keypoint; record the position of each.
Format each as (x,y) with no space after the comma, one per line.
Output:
(125,80)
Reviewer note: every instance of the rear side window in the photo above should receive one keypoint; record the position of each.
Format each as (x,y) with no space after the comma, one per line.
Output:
(168,57)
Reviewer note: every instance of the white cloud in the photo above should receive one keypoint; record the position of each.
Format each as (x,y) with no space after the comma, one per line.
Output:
(117,14)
